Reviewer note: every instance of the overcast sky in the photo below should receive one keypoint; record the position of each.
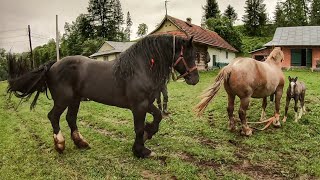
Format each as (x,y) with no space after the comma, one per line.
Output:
(16,15)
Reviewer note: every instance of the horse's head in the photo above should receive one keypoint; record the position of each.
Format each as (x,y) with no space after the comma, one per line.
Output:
(277,55)
(292,85)
(184,62)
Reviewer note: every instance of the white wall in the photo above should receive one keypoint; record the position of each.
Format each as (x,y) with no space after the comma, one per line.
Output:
(220,55)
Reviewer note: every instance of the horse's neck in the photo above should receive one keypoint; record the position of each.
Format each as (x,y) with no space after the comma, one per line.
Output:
(272,62)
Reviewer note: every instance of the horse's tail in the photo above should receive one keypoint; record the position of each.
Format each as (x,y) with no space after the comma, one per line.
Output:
(25,85)
(212,91)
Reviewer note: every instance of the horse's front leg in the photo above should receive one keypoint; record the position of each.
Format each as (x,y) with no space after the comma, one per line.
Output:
(296,109)
(152,128)
(244,104)
(139,114)
(286,109)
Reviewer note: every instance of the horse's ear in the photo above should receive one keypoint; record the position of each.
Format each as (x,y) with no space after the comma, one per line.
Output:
(289,78)
(190,40)
(295,79)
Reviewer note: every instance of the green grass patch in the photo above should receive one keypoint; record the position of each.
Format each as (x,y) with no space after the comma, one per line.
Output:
(187,147)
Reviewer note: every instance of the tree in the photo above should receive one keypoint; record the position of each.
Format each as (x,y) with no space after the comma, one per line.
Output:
(230,13)
(3,65)
(296,12)
(211,9)
(118,20)
(255,17)
(129,25)
(315,13)
(223,26)
(279,16)
(142,30)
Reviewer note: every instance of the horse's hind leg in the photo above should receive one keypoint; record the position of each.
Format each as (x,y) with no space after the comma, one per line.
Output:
(244,104)
(54,117)
(71,117)
(230,110)
(264,105)
(286,109)
(152,128)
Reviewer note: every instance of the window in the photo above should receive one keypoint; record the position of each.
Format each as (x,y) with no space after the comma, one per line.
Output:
(105,58)
(227,54)
(214,59)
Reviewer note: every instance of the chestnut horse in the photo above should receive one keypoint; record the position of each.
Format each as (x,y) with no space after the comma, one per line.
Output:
(246,78)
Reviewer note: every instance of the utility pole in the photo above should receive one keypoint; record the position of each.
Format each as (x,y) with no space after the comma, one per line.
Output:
(57,38)
(31,54)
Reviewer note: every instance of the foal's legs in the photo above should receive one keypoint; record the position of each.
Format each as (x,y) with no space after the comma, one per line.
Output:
(230,110)
(139,114)
(71,117)
(54,117)
(152,128)
(264,105)
(244,104)
(296,109)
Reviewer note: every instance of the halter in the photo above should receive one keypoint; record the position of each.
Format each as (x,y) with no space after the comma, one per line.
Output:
(181,58)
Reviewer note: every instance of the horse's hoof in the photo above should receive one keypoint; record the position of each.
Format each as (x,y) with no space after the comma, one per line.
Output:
(144,153)
(284,119)
(152,154)
(60,148)
(59,142)
(83,144)
(246,131)
(277,124)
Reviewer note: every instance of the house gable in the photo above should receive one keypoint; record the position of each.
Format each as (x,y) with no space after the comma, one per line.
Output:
(105,47)
(167,26)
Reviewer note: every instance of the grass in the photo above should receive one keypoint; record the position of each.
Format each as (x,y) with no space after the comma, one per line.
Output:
(187,147)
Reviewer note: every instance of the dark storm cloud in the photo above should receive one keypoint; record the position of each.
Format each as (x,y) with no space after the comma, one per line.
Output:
(40,14)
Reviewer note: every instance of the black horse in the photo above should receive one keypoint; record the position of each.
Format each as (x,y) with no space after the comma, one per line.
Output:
(131,81)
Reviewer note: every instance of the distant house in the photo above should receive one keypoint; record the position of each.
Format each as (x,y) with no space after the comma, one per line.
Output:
(300,45)
(210,46)
(110,50)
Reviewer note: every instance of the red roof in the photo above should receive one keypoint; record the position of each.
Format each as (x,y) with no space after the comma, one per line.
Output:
(199,34)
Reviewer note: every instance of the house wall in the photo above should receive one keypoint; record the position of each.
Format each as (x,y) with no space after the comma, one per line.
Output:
(109,57)
(105,47)
(220,56)
(263,52)
(167,26)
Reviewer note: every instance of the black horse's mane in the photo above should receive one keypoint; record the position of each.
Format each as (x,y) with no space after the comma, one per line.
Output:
(156,47)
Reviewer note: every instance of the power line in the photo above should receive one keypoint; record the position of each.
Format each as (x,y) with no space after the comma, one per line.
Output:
(39,35)
(12,30)
(13,37)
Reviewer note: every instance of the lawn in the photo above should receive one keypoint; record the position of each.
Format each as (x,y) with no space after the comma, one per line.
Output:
(187,147)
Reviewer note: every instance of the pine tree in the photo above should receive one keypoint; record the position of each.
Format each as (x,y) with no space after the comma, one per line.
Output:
(118,19)
(296,12)
(211,9)
(99,9)
(279,16)
(255,17)
(128,28)
(230,13)
(315,13)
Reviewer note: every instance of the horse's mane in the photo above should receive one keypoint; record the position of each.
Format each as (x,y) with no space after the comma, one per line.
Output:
(157,47)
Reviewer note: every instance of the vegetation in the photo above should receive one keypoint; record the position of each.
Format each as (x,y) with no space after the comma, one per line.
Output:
(211,9)
(255,17)
(142,30)
(231,14)
(187,147)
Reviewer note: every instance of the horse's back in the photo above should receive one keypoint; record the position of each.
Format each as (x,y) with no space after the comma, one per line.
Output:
(250,77)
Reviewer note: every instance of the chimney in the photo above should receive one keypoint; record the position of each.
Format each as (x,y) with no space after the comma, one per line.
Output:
(189,20)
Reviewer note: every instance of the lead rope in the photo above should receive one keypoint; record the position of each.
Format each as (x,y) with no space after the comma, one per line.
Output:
(173,74)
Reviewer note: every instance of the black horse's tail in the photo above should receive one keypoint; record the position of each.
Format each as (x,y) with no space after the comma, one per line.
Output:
(25,85)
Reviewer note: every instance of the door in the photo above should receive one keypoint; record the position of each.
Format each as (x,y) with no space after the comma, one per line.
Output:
(309,57)
(296,57)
